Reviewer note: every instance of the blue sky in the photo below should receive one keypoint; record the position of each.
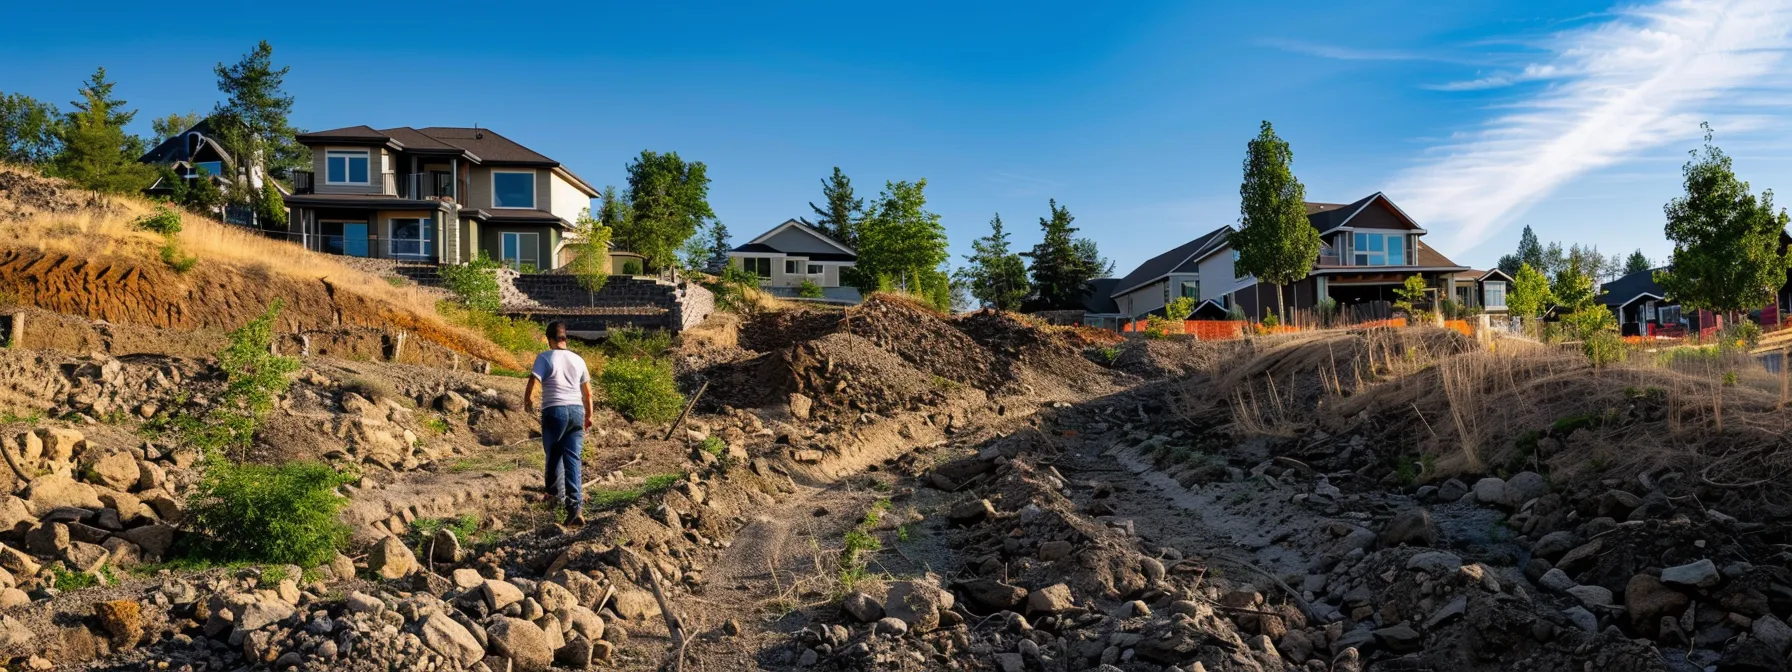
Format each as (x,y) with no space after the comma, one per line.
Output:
(1569,116)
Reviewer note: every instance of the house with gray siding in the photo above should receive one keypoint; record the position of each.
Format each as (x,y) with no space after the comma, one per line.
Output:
(793,253)
(440,195)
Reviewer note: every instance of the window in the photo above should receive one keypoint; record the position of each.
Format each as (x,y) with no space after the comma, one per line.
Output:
(760,266)
(814,269)
(1192,289)
(790,266)
(520,251)
(1495,293)
(513,190)
(207,168)
(412,237)
(345,166)
(1396,250)
(1668,314)
(1237,272)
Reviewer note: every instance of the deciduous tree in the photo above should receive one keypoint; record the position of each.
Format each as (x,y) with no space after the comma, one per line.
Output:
(591,251)
(1274,241)
(1727,255)
(1530,295)
(28,129)
(902,244)
(995,275)
(1062,263)
(669,201)
(174,124)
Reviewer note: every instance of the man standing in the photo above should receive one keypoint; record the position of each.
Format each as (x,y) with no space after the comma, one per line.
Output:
(565,415)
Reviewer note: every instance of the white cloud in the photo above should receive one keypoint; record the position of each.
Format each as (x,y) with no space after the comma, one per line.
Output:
(1614,91)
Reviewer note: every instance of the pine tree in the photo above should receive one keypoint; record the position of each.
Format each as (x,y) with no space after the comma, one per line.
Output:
(1637,262)
(839,215)
(252,120)
(1727,255)
(718,246)
(96,151)
(1061,270)
(995,276)
(1529,250)
(1274,241)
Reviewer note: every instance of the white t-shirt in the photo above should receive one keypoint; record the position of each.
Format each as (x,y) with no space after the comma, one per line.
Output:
(562,373)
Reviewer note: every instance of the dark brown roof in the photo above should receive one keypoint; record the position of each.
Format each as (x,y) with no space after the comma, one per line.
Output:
(1424,256)
(508,216)
(488,144)
(413,140)
(358,134)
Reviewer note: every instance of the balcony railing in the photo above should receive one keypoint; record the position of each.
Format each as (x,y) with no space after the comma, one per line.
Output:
(1331,260)
(432,185)
(304,182)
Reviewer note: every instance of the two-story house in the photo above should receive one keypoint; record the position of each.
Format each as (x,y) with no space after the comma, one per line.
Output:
(440,195)
(1367,250)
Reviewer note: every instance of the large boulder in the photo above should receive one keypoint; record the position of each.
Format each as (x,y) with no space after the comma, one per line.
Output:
(990,595)
(53,491)
(1523,487)
(524,643)
(1490,490)
(59,445)
(1052,599)
(1413,527)
(117,470)
(1701,574)
(445,636)
(1647,599)
(918,603)
(391,559)
(500,594)
(862,607)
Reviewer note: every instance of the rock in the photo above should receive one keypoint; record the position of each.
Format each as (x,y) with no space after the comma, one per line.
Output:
(1053,599)
(391,559)
(49,539)
(1152,569)
(1647,599)
(969,513)
(990,595)
(122,620)
(635,604)
(1413,527)
(117,471)
(122,553)
(1054,550)
(806,455)
(1399,638)
(1557,580)
(1554,544)
(452,403)
(1617,504)
(1701,574)
(85,557)
(1524,487)
(1435,563)
(445,547)
(52,491)
(1583,619)
(1773,632)
(154,539)
(500,594)
(259,614)
(554,598)
(1452,611)
(1592,597)
(1451,490)
(917,603)
(801,406)
(576,653)
(862,607)
(443,634)
(1490,490)
(15,514)
(362,603)
(1134,609)
(59,445)
(1582,555)
(524,643)
(17,562)
(467,579)
(891,626)
(150,476)
(343,567)
(1011,662)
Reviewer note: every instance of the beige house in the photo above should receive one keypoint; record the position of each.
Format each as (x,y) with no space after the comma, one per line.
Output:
(793,253)
(439,195)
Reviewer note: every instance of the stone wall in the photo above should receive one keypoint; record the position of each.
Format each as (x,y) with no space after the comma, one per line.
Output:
(632,300)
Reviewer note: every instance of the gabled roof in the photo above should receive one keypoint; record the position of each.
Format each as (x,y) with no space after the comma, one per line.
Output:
(1627,289)
(793,224)
(174,150)
(1161,265)
(1482,276)
(479,145)
(1099,299)
(357,135)
(1329,217)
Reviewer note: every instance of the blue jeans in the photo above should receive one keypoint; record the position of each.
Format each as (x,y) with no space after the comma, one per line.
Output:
(563,437)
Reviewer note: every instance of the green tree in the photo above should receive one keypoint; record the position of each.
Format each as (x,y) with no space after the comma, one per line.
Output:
(718,246)
(1574,287)
(1727,255)
(172,125)
(252,121)
(1529,252)
(1274,241)
(995,275)
(1061,268)
(590,244)
(1637,262)
(1410,294)
(28,132)
(669,201)
(901,242)
(1530,295)
(96,151)
(1100,266)
(840,212)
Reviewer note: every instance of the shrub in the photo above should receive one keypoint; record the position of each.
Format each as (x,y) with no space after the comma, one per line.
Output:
(1742,335)
(631,267)
(270,207)
(1270,321)
(714,446)
(372,389)
(164,220)
(642,389)
(475,283)
(731,289)
(172,256)
(637,342)
(1179,308)
(1160,327)
(516,334)
(809,290)
(283,514)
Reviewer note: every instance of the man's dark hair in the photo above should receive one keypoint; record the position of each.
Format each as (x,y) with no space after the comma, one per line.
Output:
(556,331)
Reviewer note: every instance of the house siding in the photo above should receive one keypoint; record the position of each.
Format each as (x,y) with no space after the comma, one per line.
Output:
(1217,278)
(564,199)
(491,241)
(796,241)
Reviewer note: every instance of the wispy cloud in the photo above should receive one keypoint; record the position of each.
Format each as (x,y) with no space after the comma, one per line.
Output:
(1344,53)
(1531,73)
(1615,90)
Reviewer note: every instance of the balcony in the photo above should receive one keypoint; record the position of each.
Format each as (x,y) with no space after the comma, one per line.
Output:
(304,182)
(434,186)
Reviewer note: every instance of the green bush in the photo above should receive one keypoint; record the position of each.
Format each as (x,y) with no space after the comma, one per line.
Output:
(475,283)
(283,514)
(809,290)
(1742,335)
(164,220)
(172,256)
(631,267)
(731,289)
(637,342)
(270,207)
(642,389)
(516,334)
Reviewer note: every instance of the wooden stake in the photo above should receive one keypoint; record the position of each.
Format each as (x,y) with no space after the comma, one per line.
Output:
(687,410)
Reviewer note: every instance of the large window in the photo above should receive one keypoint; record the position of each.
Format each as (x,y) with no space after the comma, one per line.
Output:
(513,190)
(412,237)
(521,251)
(345,166)
(760,266)
(1668,314)
(207,168)
(1379,249)
(1495,293)
(1192,289)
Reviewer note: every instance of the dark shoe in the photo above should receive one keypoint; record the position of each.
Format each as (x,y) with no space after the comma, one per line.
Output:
(574,519)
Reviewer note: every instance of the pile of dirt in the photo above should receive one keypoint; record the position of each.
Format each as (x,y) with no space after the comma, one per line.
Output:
(1159,359)
(1055,352)
(768,331)
(29,196)
(929,342)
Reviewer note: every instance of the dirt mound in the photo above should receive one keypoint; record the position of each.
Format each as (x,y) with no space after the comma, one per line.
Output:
(1054,353)
(770,330)
(929,342)
(27,195)
(1156,359)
